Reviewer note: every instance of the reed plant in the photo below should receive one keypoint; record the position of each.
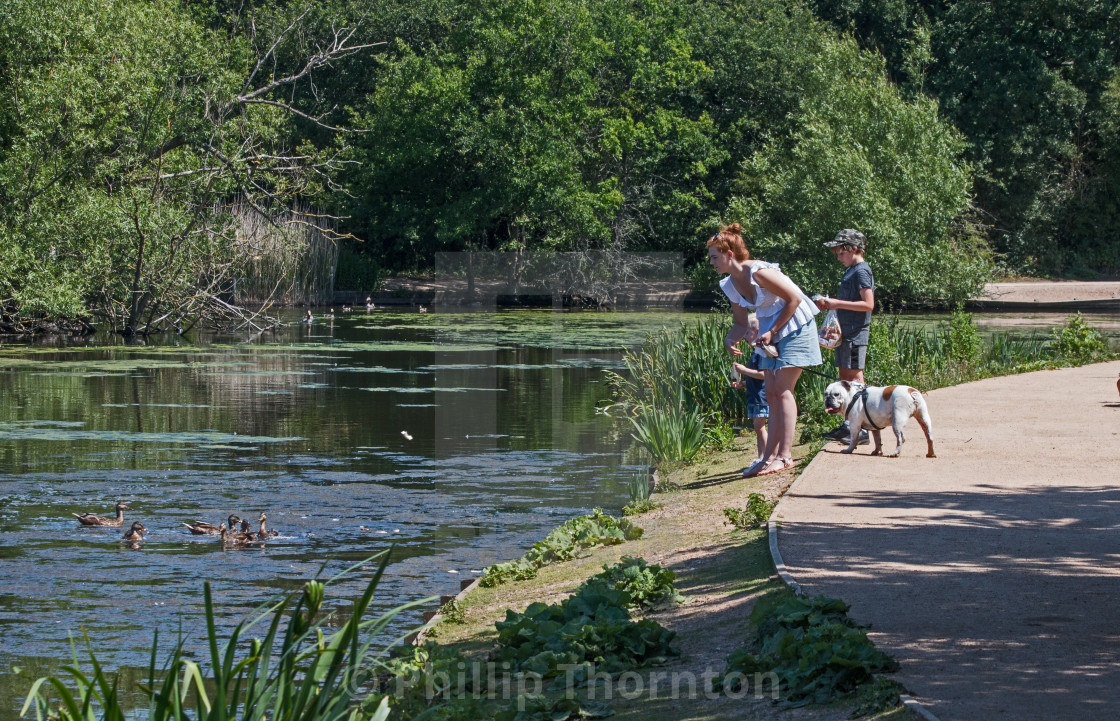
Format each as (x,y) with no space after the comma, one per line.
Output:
(688,360)
(673,433)
(682,372)
(298,669)
(952,352)
(639,486)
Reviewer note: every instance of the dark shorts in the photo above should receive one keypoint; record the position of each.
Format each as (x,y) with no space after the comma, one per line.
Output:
(851,356)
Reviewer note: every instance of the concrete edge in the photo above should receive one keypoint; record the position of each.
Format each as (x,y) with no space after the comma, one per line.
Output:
(787,578)
(418,636)
(911,703)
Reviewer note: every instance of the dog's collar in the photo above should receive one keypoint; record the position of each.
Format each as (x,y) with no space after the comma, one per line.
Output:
(852,403)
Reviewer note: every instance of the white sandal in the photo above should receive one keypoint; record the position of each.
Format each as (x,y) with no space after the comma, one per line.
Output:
(753,466)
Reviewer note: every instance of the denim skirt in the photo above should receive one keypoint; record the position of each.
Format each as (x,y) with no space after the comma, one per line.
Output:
(800,348)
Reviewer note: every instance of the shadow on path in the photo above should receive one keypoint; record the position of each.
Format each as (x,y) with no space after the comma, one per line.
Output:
(992,573)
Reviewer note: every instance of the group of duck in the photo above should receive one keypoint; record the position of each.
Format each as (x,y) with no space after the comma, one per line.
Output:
(238,532)
(309,318)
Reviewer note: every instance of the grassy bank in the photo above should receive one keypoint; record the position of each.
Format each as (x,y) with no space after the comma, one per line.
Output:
(721,570)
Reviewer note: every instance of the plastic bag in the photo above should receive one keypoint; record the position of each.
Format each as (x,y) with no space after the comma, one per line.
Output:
(829,335)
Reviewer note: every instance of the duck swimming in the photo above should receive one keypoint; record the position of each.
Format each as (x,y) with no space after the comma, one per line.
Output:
(233,538)
(203,528)
(136,533)
(264,534)
(88,519)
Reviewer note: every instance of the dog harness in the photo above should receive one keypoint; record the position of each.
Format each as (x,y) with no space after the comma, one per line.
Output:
(862,394)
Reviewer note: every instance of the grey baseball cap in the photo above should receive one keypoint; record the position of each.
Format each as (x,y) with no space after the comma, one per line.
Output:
(848,236)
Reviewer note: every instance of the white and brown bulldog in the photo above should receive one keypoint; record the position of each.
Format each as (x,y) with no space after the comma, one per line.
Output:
(874,408)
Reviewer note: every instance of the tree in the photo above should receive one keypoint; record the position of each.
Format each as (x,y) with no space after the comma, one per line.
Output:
(861,156)
(1026,83)
(129,132)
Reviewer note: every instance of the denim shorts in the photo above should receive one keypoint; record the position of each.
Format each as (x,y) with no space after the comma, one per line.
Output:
(851,356)
(800,348)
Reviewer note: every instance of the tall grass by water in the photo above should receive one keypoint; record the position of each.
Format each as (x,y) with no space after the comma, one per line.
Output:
(690,363)
(297,669)
(674,384)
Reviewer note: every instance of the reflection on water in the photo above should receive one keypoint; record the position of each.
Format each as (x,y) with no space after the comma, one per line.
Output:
(305,424)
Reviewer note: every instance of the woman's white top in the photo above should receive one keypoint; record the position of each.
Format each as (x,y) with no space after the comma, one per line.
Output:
(767,306)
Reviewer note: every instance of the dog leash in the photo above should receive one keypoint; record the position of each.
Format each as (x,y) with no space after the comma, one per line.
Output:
(822,375)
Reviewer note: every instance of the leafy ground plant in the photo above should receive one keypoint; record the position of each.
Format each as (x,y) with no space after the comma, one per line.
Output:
(756,513)
(590,631)
(816,652)
(298,669)
(1078,341)
(650,587)
(563,544)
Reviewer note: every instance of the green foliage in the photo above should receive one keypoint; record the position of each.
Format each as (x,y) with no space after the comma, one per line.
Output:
(962,340)
(950,354)
(1032,88)
(537,124)
(639,487)
(1078,341)
(672,433)
(637,508)
(304,666)
(756,513)
(688,359)
(815,650)
(357,271)
(591,628)
(879,696)
(129,131)
(719,436)
(650,588)
(430,681)
(563,544)
(524,124)
(452,612)
(862,156)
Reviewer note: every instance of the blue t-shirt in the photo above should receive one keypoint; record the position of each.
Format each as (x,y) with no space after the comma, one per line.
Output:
(854,324)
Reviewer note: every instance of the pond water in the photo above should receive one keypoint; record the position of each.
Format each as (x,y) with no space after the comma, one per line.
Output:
(306,424)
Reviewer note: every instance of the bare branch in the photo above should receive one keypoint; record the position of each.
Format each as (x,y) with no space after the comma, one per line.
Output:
(271,50)
(304,115)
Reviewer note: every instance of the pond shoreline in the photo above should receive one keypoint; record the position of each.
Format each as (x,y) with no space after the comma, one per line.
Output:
(721,570)
(1017,296)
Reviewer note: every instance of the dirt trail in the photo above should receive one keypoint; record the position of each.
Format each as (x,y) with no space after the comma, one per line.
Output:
(992,573)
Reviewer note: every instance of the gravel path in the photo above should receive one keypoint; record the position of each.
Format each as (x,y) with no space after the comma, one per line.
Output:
(992,573)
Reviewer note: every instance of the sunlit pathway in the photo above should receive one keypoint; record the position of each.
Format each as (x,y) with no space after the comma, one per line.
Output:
(992,573)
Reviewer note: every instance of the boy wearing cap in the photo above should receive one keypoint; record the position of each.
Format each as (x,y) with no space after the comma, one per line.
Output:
(853,304)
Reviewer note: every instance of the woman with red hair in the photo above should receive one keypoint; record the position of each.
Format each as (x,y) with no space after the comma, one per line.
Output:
(786,322)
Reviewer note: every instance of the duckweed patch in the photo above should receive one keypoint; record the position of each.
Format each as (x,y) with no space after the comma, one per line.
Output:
(563,544)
